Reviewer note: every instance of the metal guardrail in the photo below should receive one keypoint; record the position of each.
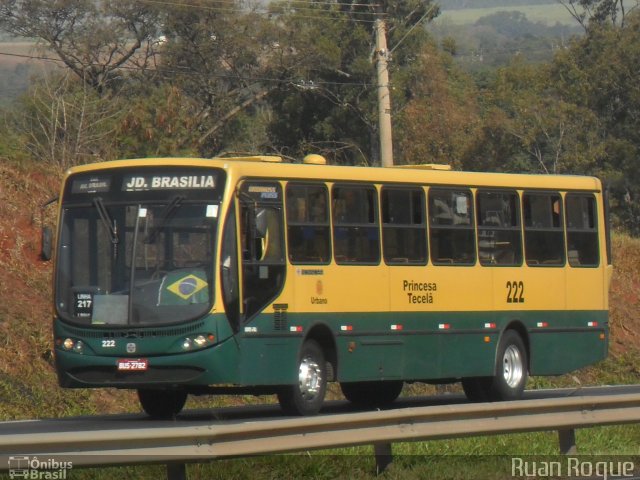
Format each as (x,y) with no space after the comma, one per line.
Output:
(174,443)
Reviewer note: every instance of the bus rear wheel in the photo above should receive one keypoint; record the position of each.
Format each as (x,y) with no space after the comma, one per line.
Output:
(306,396)
(477,388)
(511,368)
(162,403)
(372,394)
(510,373)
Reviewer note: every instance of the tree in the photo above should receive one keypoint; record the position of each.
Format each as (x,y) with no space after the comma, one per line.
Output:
(64,122)
(549,133)
(157,122)
(441,120)
(94,39)
(599,73)
(599,12)
(328,103)
(219,58)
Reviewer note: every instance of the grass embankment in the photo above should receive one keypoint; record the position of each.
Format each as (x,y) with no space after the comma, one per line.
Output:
(28,386)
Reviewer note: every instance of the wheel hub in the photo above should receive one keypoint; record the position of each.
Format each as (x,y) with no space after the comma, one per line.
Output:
(513,369)
(309,378)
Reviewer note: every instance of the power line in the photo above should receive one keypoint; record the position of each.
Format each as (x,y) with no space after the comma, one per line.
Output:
(289,2)
(269,13)
(31,57)
(429,10)
(189,71)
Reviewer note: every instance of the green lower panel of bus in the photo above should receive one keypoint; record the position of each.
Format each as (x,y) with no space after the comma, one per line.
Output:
(561,352)
(362,347)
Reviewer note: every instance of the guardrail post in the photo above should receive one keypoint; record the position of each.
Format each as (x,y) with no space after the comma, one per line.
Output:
(176,471)
(384,457)
(567,440)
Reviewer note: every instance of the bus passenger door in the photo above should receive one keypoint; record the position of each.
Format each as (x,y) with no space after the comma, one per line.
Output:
(262,243)
(229,273)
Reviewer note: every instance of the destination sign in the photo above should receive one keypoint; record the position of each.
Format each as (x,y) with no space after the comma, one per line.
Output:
(137,183)
(91,185)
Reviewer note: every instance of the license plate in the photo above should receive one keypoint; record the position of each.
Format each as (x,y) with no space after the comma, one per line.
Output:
(133,364)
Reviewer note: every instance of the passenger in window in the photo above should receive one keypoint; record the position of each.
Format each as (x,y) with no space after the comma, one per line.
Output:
(346,207)
(555,207)
(318,210)
(296,206)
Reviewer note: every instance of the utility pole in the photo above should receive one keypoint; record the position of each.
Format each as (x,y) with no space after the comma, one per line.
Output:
(384,99)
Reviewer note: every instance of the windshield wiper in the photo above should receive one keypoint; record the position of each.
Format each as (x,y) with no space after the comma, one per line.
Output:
(165,215)
(109,223)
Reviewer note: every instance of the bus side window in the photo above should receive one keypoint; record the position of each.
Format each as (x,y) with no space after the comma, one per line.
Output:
(404,233)
(452,230)
(582,230)
(356,233)
(308,228)
(543,229)
(269,234)
(499,235)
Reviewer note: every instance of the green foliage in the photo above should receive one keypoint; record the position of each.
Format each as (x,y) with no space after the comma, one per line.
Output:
(301,79)
(598,73)
(544,133)
(158,122)
(596,13)
(63,122)
(578,114)
(330,104)
(441,119)
(220,59)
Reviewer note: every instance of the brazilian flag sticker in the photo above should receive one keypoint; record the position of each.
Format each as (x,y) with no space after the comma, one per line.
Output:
(187,286)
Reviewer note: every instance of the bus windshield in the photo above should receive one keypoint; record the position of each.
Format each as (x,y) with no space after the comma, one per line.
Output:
(136,258)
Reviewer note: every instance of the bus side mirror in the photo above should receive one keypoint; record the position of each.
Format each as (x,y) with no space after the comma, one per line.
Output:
(46,235)
(46,243)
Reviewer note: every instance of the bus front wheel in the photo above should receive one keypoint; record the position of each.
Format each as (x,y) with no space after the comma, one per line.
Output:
(162,403)
(305,397)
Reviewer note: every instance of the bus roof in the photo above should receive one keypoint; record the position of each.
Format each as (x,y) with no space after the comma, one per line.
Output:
(270,167)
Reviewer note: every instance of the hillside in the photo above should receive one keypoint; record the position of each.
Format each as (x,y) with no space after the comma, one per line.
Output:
(490,34)
(548,15)
(28,386)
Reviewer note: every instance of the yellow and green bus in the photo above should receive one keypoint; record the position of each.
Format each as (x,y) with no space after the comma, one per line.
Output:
(178,276)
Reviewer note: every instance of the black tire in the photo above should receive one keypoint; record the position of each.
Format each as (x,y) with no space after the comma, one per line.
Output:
(306,396)
(511,371)
(372,394)
(510,377)
(162,404)
(477,388)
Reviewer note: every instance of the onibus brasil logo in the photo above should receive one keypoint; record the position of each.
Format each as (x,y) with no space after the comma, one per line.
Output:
(38,468)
